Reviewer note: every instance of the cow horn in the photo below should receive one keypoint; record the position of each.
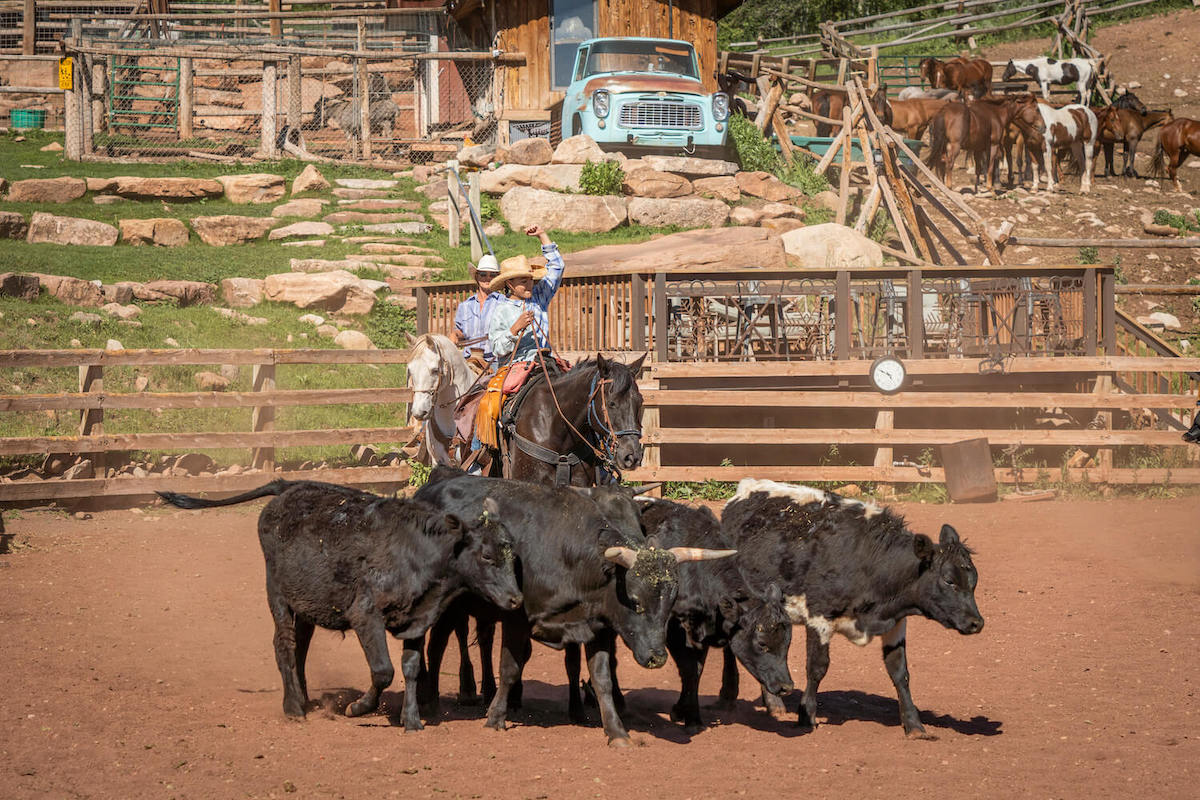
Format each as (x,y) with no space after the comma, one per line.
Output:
(683,554)
(646,487)
(625,556)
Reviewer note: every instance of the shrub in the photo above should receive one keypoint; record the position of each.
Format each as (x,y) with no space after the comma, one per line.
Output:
(489,208)
(1089,255)
(754,152)
(802,175)
(387,325)
(603,178)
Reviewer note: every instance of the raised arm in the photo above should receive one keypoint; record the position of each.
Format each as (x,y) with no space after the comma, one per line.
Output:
(547,287)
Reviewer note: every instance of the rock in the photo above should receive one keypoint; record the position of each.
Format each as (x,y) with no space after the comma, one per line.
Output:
(730,248)
(353,340)
(229,371)
(109,199)
(141,383)
(327,331)
(781,224)
(194,463)
(380,204)
(435,189)
(242,292)
(411,228)
(723,187)
(366,183)
(77,344)
(649,182)
(577,150)
(404,249)
(167,188)
(533,152)
(771,210)
(477,155)
(187,293)
(47,190)
(53,147)
(229,229)
(324,265)
(505,177)
(831,245)
(13,225)
(101,185)
(525,206)
(337,291)
(254,187)
(86,318)
(494,228)
(308,207)
(70,230)
(311,319)
(164,232)
(1179,93)
(169,342)
(557,177)
(120,311)
(1169,322)
(304,243)
(691,167)
(72,291)
(310,228)
(402,300)
(210,382)
(139,291)
(685,212)
(238,316)
(423,172)
(765,185)
(1134,84)
(113,346)
(22,287)
(744,215)
(309,180)
(850,490)
(343,217)
(81,470)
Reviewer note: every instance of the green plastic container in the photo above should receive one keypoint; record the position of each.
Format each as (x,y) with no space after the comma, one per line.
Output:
(26,118)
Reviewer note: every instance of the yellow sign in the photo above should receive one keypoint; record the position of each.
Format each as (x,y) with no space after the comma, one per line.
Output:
(65,73)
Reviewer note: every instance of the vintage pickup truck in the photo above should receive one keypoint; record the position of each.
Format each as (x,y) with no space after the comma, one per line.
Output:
(643,96)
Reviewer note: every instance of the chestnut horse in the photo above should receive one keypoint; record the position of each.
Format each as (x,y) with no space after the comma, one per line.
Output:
(830,102)
(979,128)
(960,74)
(912,117)
(1123,125)
(1177,140)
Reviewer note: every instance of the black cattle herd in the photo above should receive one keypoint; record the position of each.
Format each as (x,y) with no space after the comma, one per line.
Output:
(576,569)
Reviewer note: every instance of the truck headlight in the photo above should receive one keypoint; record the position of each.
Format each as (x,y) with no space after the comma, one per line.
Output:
(720,106)
(600,103)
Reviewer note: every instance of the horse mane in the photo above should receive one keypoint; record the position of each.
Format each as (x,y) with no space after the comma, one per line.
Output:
(622,379)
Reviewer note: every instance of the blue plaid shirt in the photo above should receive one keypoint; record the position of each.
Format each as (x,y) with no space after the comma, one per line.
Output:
(527,343)
(473,318)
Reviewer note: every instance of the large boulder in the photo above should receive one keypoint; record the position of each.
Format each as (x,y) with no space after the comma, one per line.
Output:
(101,185)
(47,190)
(533,151)
(649,182)
(576,213)
(505,177)
(831,245)
(22,287)
(681,212)
(72,291)
(691,167)
(242,292)
(353,340)
(309,180)
(305,207)
(254,187)
(577,150)
(187,293)
(731,248)
(13,225)
(310,228)
(722,187)
(557,177)
(476,155)
(227,229)
(767,186)
(70,230)
(167,188)
(744,215)
(337,291)
(164,231)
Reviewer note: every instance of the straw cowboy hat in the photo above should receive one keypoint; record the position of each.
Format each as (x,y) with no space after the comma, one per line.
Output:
(516,267)
(487,264)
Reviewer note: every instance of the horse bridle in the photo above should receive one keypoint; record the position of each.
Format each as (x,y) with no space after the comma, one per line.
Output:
(608,442)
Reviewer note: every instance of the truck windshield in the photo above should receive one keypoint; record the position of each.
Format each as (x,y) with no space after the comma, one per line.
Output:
(632,56)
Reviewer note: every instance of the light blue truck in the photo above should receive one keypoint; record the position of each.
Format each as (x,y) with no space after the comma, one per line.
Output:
(641,96)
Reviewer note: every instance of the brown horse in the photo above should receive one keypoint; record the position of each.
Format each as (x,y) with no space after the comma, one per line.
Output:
(1124,125)
(830,102)
(912,117)
(1177,140)
(973,75)
(979,128)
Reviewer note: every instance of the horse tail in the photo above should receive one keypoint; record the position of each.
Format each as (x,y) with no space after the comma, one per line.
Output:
(186,501)
(1158,167)
(937,139)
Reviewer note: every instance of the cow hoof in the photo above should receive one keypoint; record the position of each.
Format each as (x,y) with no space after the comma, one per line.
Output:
(723,704)
(358,708)
(693,728)
(919,734)
(620,741)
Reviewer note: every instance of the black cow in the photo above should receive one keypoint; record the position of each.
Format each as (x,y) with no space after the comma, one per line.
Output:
(343,559)
(851,568)
(586,576)
(717,608)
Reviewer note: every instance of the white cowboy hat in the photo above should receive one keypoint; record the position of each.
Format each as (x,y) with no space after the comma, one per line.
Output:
(487,264)
(516,267)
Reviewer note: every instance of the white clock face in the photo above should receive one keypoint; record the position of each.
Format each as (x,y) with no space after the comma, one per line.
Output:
(887,374)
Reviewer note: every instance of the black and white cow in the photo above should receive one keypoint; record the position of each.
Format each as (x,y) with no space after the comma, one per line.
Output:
(852,568)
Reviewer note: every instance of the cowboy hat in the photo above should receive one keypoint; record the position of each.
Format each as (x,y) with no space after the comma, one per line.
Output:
(487,264)
(516,267)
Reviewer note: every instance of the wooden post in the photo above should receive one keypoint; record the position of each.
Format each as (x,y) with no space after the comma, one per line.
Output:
(29,28)
(73,102)
(651,422)
(275,7)
(263,417)
(476,230)
(91,420)
(268,110)
(99,78)
(844,178)
(841,322)
(295,98)
(659,314)
(785,139)
(637,312)
(83,76)
(187,95)
(453,218)
(1089,312)
(364,92)
(915,323)
(422,310)
(1104,455)
(885,420)
(1108,313)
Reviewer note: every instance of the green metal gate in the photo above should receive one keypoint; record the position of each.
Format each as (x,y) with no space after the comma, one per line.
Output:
(126,77)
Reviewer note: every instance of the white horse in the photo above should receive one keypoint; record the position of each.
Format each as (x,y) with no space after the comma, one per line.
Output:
(439,376)
(917,93)
(1080,71)
(1072,126)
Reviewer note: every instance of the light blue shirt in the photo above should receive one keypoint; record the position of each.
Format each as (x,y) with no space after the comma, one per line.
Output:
(474,319)
(527,343)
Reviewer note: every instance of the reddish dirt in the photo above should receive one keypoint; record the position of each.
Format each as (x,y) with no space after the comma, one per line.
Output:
(137,653)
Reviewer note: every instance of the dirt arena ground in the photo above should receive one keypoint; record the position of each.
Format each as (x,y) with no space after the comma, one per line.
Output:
(138,662)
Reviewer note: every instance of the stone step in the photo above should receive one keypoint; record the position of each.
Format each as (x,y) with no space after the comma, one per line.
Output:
(379,204)
(407,260)
(359,194)
(343,217)
(382,247)
(368,239)
(366,183)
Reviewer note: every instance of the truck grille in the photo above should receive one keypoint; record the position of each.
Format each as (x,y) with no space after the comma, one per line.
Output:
(650,114)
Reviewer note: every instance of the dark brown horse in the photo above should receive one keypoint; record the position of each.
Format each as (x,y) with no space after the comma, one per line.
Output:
(1124,125)
(979,128)
(1177,140)
(965,75)
(830,102)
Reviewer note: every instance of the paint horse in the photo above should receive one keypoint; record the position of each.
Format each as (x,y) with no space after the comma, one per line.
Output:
(1073,126)
(1177,140)
(964,75)
(1045,71)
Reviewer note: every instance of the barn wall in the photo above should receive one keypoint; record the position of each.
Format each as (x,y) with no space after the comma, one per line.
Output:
(524,26)
(694,22)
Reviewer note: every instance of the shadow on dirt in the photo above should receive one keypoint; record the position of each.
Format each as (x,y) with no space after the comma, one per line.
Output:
(849,706)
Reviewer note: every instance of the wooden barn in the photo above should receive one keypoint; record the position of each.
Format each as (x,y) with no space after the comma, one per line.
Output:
(529,97)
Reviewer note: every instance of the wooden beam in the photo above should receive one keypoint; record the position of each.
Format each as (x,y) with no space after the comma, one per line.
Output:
(18,445)
(191,356)
(29,28)
(1039,241)
(869,398)
(874,436)
(928,366)
(1183,476)
(262,399)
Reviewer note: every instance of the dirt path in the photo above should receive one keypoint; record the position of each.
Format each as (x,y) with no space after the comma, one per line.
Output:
(137,652)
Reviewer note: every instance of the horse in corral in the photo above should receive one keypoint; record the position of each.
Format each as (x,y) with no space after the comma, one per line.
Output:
(979,127)
(1045,71)
(1071,126)
(438,375)
(830,102)
(1023,135)
(912,117)
(917,93)
(1127,126)
(1176,141)
(962,75)
(1129,100)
